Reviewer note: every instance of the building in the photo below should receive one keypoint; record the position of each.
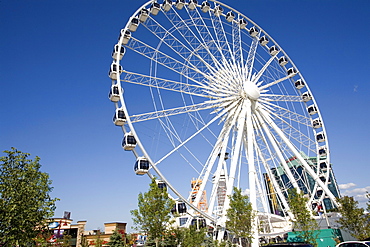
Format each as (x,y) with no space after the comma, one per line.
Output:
(305,182)
(60,227)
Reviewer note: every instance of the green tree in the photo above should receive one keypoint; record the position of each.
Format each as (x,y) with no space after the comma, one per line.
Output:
(240,215)
(193,236)
(353,217)
(84,242)
(116,239)
(25,203)
(303,222)
(154,213)
(98,240)
(187,237)
(65,241)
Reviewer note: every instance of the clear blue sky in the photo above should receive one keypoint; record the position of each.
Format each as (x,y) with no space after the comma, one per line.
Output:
(53,97)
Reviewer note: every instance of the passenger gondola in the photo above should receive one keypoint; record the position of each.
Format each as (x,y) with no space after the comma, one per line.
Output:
(273,50)
(263,40)
(179,208)
(253,31)
(192,4)
(144,14)
(292,72)
(198,222)
(299,84)
(129,142)
(306,96)
(230,16)
(126,35)
(114,93)
(283,61)
(320,137)
(218,10)
(119,117)
(242,23)
(322,151)
(141,166)
(134,23)
(319,193)
(205,6)
(162,185)
(312,110)
(166,5)
(114,71)
(180,4)
(316,123)
(323,165)
(118,52)
(155,8)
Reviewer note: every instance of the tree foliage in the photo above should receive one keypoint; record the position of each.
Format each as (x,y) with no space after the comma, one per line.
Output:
(116,239)
(304,224)
(240,215)
(188,237)
(353,217)
(154,213)
(25,203)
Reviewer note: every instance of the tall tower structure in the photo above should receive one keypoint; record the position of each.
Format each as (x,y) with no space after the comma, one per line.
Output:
(195,186)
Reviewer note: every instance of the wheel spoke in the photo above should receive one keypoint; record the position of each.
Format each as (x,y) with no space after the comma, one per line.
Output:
(172,112)
(275,82)
(160,83)
(282,98)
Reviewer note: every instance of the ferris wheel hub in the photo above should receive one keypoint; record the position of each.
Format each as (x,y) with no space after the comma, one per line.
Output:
(251,90)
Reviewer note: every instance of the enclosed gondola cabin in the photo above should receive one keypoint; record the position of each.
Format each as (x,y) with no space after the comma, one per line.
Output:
(166,5)
(118,52)
(114,71)
(180,4)
(162,185)
(253,31)
(125,36)
(218,10)
(312,110)
(263,40)
(322,151)
(114,93)
(283,61)
(320,137)
(299,84)
(291,72)
(192,4)
(319,193)
(179,208)
(119,117)
(144,14)
(230,16)
(141,166)
(323,178)
(306,96)
(198,222)
(205,6)
(323,165)
(129,142)
(273,50)
(316,123)
(155,8)
(242,23)
(134,23)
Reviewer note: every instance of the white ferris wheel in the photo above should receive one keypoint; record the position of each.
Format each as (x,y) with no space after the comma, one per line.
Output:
(203,94)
